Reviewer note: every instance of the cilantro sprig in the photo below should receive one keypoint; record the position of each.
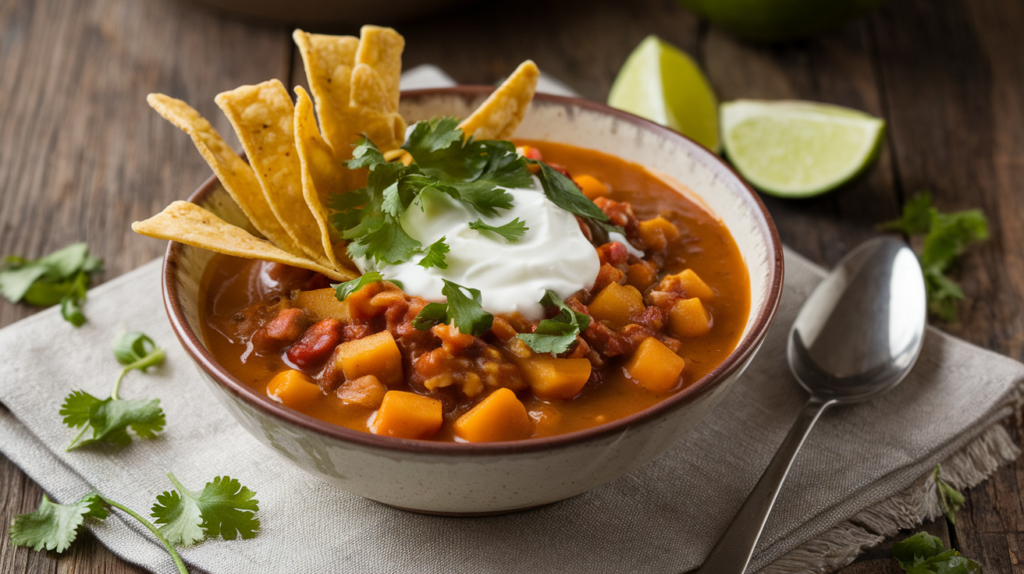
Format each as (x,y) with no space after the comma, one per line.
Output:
(511,231)
(556,335)
(946,236)
(343,290)
(61,277)
(434,256)
(110,419)
(923,553)
(564,193)
(223,508)
(463,310)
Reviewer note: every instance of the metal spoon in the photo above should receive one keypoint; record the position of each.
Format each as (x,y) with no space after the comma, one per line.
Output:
(856,336)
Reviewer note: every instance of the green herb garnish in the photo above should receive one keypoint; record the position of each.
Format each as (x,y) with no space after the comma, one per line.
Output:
(434,256)
(223,508)
(923,553)
(511,231)
(556,335)
(564,193)
(60,277)
(343,290)
(949,498)
(465,311)
(946,236)
(110,418)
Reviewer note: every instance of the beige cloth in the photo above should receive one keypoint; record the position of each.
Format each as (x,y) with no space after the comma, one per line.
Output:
(862,473)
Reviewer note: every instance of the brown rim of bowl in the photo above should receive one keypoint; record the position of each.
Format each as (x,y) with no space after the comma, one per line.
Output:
(743,351)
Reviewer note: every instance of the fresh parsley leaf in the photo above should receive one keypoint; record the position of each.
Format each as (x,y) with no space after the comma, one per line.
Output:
(223,508)
(477,170)
(343,290)
(434,256)
(61,277)
(432,314)
(465,311)
(109,419)
(55,526)
(558,334)
(947,235)
(949,498)
(923,553)
(511,231)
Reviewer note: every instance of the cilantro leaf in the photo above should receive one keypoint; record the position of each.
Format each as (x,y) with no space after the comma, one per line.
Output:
(61,277)
(949,498)
(365,154)
(947,235)
(343,290)
(511,231)
(435,255)
(109,419)
(136,350)
(55,526)
(558,334)
(465,311)
(923,553)
(389,243)
(565,194)
(223,508)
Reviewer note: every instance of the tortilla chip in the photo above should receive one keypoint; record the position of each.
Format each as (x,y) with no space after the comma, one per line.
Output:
(328,61)
(322,174)
(378,69)
(263,117)
(499,116)
(234,174)
(188,223)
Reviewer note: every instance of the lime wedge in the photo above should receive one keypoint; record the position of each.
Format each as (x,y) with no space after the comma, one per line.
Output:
(798,149)
(661,83)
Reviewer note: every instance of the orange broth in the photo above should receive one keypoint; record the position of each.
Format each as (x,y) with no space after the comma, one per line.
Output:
(705,246)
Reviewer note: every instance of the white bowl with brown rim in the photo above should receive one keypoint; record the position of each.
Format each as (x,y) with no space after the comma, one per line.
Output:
(488,478)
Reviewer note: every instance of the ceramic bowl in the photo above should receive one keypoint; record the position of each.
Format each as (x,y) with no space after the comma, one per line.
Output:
(484,478)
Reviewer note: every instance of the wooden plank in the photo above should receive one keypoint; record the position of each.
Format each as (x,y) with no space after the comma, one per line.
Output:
(836,68)
(84,156)
(953,88)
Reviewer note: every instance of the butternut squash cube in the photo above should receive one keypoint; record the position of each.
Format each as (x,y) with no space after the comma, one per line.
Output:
(640,275)
(657,233)
(293,389)
(376,355)
(407,415)
(688,284)
(551,378)
(591,187)
(366,391)
(655,367)
(322,304)
(689,318)
(617,304)
(499,417)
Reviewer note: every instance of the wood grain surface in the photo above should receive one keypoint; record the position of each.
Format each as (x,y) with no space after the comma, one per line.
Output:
(82,156)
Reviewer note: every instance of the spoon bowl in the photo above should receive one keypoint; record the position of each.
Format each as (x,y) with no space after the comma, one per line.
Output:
(856,336)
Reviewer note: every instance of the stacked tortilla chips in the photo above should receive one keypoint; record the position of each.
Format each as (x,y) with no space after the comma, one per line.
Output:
(295,166)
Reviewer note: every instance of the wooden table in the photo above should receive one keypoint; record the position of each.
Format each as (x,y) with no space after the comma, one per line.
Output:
(82,156)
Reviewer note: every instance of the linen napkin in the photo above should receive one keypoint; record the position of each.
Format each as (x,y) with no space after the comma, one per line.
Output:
(863,473)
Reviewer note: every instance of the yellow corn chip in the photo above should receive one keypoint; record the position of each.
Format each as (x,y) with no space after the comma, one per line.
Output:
(322,174)
(234,174)
(328,61)
(378,69)
(263,117)
(499,116)
(188,223)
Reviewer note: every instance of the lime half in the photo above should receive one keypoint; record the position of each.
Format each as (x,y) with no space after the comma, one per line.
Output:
(798,149)
(661,83)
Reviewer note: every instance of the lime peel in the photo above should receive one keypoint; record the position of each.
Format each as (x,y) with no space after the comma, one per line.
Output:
(661,83)
(796,148)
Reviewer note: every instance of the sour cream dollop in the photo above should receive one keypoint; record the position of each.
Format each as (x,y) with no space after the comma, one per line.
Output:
(511,276)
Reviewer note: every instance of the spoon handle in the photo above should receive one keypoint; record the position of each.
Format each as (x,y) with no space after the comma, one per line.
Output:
(734,549)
